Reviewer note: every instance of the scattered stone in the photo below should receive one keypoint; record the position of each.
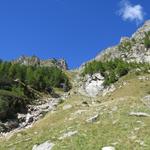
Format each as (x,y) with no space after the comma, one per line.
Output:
(141,123)
(109,90)
(140,142)
(68,134)
(21,117)
(108,148)
(115,121)
(45,146)
(139,114)
(93,119)
(115,143)
(114,109)
(34,112)
(136,129)
(79,112)
(29,118)
(143,78)
(146,100)
(132,137)
(68,106)
(138,70)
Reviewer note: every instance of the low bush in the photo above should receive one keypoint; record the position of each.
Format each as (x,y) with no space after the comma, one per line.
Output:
(125,46)
(147,40)
(114,69)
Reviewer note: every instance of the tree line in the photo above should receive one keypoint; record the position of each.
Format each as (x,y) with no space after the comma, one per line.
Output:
(39,78)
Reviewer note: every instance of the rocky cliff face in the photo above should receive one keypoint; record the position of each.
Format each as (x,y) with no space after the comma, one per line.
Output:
(130,49)
(35,61)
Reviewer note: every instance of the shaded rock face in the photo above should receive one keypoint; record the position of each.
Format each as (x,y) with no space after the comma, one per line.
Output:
(129,49)
(35,61)
(8,126)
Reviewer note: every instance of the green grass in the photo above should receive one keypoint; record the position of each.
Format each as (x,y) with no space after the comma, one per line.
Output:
(114,125)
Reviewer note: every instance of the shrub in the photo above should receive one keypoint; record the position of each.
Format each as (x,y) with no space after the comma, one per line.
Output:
(114,69)
(147,40)
(125,46)
(38,78)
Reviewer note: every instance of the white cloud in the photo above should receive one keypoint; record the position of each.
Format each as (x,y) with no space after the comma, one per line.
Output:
(131,12)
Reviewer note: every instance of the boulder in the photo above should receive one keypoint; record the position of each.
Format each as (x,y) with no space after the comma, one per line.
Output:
(146,100)
(68,134)
(45,146)
(108,148)
(139,114)
(93,119)
(67,107)
(94,84)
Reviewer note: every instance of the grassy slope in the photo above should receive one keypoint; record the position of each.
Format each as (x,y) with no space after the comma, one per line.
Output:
(114,126)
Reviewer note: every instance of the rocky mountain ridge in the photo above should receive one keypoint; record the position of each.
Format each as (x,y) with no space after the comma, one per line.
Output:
(130,49)
(35,61)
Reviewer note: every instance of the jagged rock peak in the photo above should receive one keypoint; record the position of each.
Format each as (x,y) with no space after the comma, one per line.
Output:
(58,62)
(35,61)
(140,33)
(25,60)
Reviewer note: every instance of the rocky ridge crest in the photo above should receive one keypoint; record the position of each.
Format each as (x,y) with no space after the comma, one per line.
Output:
(35,61)
(129,49)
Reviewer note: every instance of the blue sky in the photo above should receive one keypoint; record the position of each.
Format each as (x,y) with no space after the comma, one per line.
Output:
(72,29)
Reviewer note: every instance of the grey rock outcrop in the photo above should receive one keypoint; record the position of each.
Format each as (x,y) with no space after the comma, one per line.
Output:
(34,113)
(129,49)
(24,60)
(35,61)
(108,148)
(92,85)
(45,146)
(61,63)
(37,111)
